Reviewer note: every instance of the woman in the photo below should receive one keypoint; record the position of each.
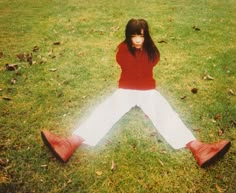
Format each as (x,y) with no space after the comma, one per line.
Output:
(137,55)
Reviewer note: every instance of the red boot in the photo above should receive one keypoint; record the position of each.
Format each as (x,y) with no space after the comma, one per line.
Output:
(62,147)
(206,154)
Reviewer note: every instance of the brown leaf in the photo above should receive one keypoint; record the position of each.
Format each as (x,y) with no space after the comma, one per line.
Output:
(162,41)
(35,49)
(233,122)
(4,162)
(56,43)
(6,98)
(217,117)
(194,90)
(11,67)
(196,28)
(29,58)
(21,56)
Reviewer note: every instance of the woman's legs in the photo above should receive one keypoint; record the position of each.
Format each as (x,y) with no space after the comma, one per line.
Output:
(159,111)
(165,119)
(105,115)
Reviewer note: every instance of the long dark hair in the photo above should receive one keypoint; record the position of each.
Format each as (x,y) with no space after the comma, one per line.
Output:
(135,26)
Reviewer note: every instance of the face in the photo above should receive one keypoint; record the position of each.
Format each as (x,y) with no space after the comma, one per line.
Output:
(137,40)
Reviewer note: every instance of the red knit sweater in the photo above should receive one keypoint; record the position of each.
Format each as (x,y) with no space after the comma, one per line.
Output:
(136,72)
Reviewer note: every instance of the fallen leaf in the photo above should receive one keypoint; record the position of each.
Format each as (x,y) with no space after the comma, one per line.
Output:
(6,98)
(194,90)
(217,117)
(35,49)
(207,77)
(56,43)
(21,56)
(162,41)
(233,123)
(4,162)
(220,132)
(99,173)
(219,189)
(53,69)
(183,97)
(219,177)
(161,162)
(232,92)
(196,129)
(196,28)
(11,67)
(29,58)
(13,81)
(113,165)
(163,152)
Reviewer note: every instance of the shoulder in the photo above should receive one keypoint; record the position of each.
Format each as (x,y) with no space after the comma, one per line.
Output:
(122,46)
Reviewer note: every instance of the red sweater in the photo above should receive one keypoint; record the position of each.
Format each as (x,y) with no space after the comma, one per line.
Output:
(136,72)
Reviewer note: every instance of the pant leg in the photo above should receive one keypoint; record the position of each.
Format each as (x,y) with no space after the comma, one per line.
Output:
(105,115)
(165,119)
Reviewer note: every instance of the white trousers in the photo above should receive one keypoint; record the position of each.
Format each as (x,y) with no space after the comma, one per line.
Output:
(153,104)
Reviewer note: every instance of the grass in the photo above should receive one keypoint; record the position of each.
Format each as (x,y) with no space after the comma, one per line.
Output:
(74,68)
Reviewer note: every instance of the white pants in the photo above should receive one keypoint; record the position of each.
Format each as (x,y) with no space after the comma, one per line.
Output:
(155,106)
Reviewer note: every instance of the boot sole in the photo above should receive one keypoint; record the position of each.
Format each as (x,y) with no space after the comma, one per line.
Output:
(217,156)
(50,147)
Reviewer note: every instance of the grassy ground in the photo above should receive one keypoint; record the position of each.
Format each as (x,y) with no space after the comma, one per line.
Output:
(73,47)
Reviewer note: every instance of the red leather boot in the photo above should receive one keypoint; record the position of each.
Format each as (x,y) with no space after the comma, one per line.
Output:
(206,154)
(62,147)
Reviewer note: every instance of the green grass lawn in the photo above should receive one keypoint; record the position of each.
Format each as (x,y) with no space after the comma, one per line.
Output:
(73,68)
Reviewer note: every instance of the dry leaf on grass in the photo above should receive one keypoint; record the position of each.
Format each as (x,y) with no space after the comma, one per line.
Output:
(232,92)
(99,173)
(160,162)
(56,43)
(196,28)
(219,189)
(220,132)
(207,77)
(11,67)
(6,98)
(53,70)
(113,165)
(217,117)
(194,90)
